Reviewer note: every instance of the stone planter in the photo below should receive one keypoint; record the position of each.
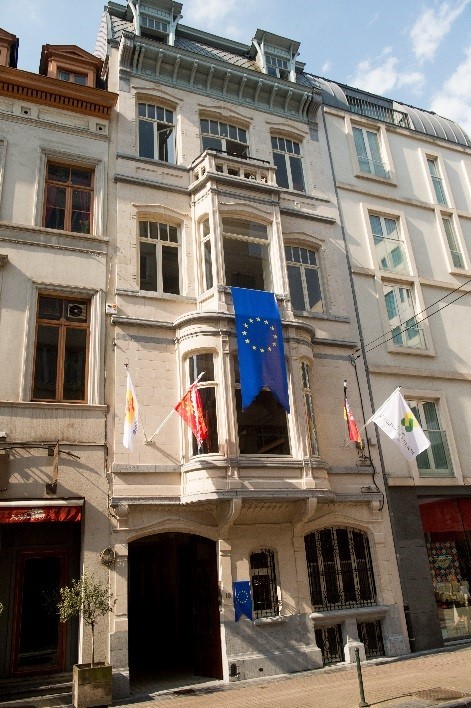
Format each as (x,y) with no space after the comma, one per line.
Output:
(91,685)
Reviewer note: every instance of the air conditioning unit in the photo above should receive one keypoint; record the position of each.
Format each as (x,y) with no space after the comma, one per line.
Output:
(76,311)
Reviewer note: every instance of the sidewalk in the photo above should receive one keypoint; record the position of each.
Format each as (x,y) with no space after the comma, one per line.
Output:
(430,679)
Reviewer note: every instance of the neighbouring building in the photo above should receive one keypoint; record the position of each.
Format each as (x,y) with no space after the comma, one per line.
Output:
(220,176)
(403,180)
(54,520)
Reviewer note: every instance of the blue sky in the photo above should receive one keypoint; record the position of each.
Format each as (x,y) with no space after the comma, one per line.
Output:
(417,52)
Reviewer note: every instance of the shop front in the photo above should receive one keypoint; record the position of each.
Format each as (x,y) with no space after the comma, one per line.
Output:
(446,524)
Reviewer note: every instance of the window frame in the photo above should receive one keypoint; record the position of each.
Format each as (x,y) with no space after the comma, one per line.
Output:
(155,122)
(449,238)
(437,181)
(231,130)
(192,371)
(69,187)
(62,326)
(403,321)
(288,158)
(206,255)
(384,164)
(308,399)
(270,572)
(302,267)
(267,274)
(160,244)
(401,240)
(324,579)
(417,404)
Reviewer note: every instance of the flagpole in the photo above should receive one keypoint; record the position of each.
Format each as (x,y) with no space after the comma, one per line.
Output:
(171,412)
(345,429)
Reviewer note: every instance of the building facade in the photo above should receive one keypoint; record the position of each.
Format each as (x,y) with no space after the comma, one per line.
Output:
(53,276)
(221,177)
(403,183)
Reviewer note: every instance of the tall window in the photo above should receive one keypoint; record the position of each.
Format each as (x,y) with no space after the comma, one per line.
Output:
(340,569)
(388,244)
(437,180)
(435,460)
(369,152)
(304,279)
(401,314)
(223,137)
(288,163)
(452,241)
(263,426)
(197,364)
(69,197)
(158,257)
(61,349)
(264,585)
(156,132)
(246,254)
(207,260)
(309,407)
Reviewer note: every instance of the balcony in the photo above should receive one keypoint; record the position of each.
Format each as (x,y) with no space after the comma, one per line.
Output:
(378,112)
(212,163)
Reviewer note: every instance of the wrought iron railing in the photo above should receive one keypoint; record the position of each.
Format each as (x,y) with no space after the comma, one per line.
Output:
(372,637)
(329,641)
(379,112)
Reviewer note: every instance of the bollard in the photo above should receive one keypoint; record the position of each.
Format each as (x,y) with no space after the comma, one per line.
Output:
(363,703)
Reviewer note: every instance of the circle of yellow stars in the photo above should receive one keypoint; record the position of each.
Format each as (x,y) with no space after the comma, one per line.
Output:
(273,336)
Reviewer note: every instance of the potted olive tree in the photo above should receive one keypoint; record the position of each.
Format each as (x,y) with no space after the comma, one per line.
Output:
(91,685)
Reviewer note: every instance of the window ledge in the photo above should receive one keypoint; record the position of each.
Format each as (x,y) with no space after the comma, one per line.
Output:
(266,621)
(365,614)
(150,161)
(321,316)
(56,405)
(409,351)
(151,294)
(376,178)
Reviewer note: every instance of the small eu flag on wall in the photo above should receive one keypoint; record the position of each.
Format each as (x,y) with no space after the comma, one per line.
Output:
(260,345)
(242,599)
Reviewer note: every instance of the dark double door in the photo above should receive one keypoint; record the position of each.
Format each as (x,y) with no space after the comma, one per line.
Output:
(174,624)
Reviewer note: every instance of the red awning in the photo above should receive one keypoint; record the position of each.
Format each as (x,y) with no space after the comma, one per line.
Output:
(446,515)
(36,514)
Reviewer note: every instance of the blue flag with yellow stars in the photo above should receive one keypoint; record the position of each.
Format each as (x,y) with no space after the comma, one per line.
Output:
(260,345)
(242,599)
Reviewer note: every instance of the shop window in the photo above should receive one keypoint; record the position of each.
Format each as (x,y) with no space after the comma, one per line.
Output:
(246,254)
(158,257)
(264,585)
(389,244)
(68,198)
(437,181)
(203,363)
(435,460)
(406,332)
(263,426)
(368,150)
(223,137)
(156,132)
(61,349)
(447,530)
(207,259)
(304,279)
(309,407)
(288,162)
(340,569)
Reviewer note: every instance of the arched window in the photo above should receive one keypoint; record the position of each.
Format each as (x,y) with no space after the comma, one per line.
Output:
(340,569)
(264,585)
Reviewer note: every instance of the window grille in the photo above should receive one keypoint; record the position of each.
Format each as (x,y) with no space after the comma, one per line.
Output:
(371,636)
(264,585)
(329,641)
(340,569)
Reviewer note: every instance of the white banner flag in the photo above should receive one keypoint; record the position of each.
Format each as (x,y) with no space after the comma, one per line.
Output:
(396,419)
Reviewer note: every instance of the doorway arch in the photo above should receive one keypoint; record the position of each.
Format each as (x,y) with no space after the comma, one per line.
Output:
(173,607)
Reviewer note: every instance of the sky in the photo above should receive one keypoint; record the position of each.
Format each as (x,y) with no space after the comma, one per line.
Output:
(414,51)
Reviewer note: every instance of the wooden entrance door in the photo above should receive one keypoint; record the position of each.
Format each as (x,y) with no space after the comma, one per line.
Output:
(38,636)
(207,627)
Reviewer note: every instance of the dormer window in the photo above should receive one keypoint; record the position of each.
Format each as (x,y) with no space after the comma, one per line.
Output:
(277,67)
(151,23)
(70,76)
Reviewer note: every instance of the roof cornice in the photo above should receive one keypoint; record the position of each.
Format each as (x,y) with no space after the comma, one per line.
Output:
(63,95)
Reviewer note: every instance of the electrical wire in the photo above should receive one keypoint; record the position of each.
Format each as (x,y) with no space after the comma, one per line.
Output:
(390,336)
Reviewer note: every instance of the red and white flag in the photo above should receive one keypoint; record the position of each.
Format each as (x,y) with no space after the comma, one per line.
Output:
(353,432)
(190,408)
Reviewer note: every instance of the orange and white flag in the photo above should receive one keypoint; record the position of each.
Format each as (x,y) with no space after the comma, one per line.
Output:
(131,414)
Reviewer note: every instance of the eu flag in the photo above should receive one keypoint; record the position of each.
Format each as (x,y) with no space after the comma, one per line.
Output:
(260,345)
(242,599)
